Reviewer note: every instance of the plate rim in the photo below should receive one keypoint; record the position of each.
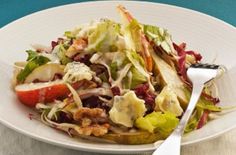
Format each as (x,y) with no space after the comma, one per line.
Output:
(129,1)
(111,150)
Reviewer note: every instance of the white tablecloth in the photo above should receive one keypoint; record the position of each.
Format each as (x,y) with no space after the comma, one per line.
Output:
(13,143)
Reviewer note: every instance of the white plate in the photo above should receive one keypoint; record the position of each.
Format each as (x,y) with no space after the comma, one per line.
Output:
(208,35)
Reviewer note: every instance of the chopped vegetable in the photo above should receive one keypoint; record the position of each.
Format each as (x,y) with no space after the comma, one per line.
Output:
(137,78)
(61,54)
(157,121)
(31,54)
(69,35)
(135,37)
(103,38)
(34,61)
(160,37)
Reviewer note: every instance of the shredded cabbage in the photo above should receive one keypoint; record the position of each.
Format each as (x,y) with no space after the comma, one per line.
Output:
(136,78)
(160,37)
(104,37)
(61,55)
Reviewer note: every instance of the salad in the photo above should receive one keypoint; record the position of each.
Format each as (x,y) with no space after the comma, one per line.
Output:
(114,82)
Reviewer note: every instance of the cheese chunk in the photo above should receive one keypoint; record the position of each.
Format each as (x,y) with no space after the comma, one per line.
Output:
(77,71)
(167,101)
(126,109)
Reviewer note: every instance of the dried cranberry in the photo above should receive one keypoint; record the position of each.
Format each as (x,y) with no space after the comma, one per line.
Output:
(94,102)
(63,117)
(57,76)
(143,93)
(83,59)
(115,90)
(30,116)
(98,69)
(55,43)
(141,89)
(91,102)
(150,98)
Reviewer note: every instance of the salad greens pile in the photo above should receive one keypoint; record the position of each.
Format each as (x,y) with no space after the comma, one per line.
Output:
(124,82)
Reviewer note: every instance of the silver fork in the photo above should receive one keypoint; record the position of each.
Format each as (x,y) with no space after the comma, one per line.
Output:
(199,74)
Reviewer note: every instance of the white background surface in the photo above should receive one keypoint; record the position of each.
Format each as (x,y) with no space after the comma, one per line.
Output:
(13,143)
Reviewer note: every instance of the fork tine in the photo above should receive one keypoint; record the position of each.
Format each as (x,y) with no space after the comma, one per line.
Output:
(206,65)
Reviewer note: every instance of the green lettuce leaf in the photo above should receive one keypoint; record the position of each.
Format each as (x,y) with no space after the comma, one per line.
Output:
(133,35)
(137,62)
(159,36)
(164,123)
(114,69)
(31,54)
(201,106)
(137,78)
(203,103)
(103,38)
(61,55)
(69,35)
(33,63)
(193,121)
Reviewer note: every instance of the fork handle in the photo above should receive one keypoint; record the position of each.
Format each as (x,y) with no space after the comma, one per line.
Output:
(196,93)
(171,146)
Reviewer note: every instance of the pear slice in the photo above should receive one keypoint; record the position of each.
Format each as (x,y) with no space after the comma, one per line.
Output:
(170,77)
(134,138)
(45,73)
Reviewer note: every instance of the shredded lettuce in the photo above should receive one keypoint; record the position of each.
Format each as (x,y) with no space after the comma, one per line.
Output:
(203,103)
(114,69)
(104,37)
(164,123)
(192,123)
(137,78)
(34,61)
(121,75)
(137,62)
(69,35)
(133,31)
(159,36)
(194,120)
(201,106)
(61,55)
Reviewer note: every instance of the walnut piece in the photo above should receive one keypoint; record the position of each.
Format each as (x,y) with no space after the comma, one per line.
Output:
(93,121)
(95,129)
(96,115)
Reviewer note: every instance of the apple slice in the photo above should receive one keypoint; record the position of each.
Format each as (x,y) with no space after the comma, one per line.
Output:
(33,93)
